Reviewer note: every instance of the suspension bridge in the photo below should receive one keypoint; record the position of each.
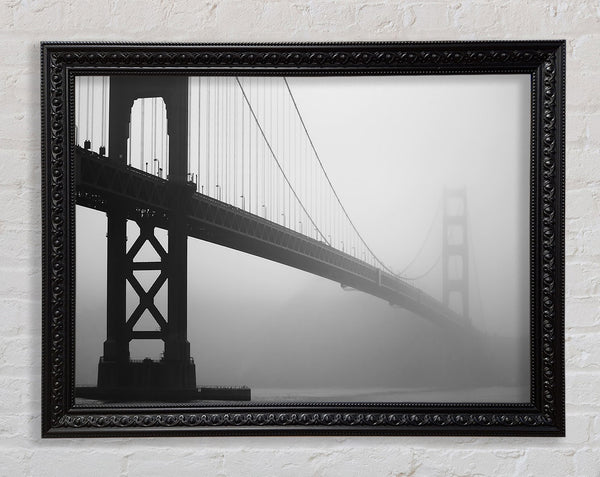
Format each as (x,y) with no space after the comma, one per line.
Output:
(231,161)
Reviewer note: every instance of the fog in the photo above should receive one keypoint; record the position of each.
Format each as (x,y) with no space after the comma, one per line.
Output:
(390,146)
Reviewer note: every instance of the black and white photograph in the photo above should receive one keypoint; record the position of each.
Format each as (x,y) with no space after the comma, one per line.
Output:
(275,239)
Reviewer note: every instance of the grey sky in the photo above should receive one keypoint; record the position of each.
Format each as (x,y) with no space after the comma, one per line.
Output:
(390,145)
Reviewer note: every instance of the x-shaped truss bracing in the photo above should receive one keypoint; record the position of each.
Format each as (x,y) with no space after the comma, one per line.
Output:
(147,297)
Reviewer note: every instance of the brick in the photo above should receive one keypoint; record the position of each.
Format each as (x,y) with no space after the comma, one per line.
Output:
(555,18)
(13,360)
(22,205)
(581,90)
(58,462)
(15,425)
(547,462)
(20,317)
(482,15)
(379,17)
(578,428)
(20,128)
(582,203)
(595,433)
(592,132)
(582,389)
(576,129)
(582,311)
(16,53)
(19,248)
(190,463)
(20,282)
(15,390)
(478,462)
(332,15)
(585,52)
(587,462)
(92,15)
(583,278)
(20,168)
(15,462)
(583,169)
(582,351)
(41,16)
(428,17)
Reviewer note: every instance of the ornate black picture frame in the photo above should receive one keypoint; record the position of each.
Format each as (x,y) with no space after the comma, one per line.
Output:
(62,63)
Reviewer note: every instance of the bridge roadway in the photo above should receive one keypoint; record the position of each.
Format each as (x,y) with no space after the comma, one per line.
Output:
(101,182)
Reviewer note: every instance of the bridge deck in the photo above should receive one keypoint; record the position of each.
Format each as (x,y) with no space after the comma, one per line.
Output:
(101,182)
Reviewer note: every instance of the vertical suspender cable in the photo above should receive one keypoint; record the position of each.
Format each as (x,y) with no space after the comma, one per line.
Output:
(265,114)
(78,110)
(285,178)
(162,139)
(128,144)
(283,155)
(91,110)
(219,149)
(257,99)
(249,198)
(87,109)
(243,152)
(189,124)
(92,142)
(199,129)
(225,140)
(153,137)
(164,134)
(143,124)
(223,155)
(271,165)
(103,128)
(235,145)
(296,143)
(290,168)
(217,130)
(208,132)
(231,197)
(268,163)
(277,148)
(168,150)
(215,155)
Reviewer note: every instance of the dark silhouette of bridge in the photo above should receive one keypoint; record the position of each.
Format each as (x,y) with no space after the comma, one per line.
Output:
(305,226)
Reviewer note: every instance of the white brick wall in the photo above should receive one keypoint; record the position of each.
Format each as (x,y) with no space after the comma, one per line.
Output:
(26,22)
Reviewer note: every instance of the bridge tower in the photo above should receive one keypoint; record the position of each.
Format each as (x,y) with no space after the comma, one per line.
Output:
(455,252)
(175,372)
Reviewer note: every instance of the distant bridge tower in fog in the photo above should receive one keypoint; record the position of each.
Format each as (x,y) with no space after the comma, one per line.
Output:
(251,180)
(455,252)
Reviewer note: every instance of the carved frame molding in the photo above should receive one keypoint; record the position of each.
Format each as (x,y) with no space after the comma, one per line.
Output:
(543,60)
